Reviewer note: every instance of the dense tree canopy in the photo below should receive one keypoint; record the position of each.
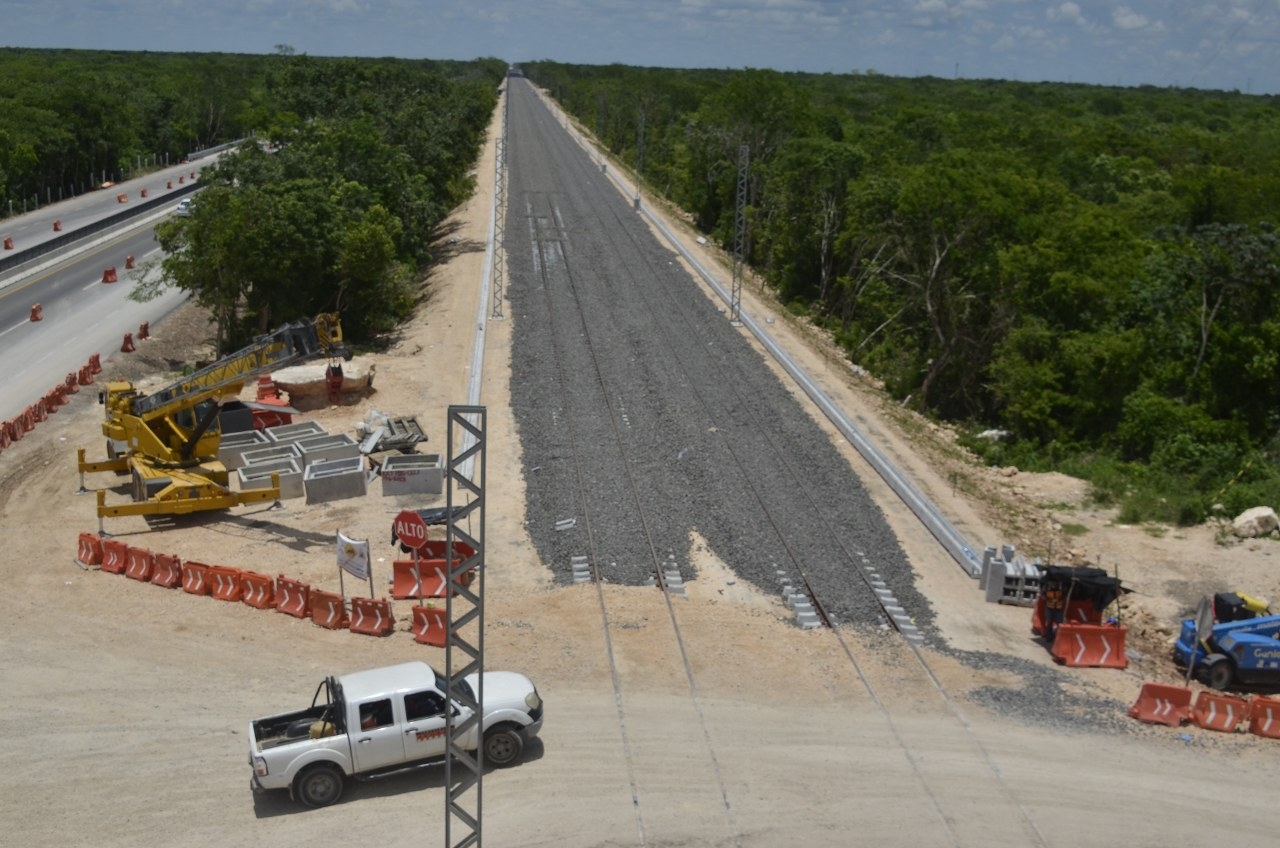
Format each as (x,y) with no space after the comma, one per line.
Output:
(1093,270)
(333,207)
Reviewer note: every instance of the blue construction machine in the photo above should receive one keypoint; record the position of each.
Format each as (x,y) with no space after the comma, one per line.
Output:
(1239,646)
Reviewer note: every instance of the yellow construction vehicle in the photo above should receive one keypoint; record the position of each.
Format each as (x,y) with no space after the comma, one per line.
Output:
(168,440)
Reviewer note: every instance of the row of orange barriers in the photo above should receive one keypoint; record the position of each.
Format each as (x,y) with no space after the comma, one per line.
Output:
(1162,703)
(20,425)
(370,616)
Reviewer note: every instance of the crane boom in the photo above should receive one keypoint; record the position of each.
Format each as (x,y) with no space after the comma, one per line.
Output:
(167,440)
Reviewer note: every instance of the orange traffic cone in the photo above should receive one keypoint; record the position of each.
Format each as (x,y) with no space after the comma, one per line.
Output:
(127,346)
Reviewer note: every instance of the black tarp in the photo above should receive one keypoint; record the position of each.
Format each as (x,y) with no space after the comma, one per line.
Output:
(1086,582)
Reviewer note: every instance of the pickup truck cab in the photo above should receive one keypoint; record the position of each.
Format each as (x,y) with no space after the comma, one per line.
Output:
(384,721)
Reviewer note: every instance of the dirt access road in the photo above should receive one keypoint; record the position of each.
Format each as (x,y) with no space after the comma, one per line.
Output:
(124,706)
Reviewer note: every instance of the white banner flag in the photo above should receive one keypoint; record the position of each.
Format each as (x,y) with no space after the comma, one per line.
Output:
(353,556)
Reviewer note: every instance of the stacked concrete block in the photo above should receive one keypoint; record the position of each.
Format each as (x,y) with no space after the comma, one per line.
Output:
(326,448)
(258,476)
(232,447)
(287,433)
(257,456)
(334,480)
(412,474)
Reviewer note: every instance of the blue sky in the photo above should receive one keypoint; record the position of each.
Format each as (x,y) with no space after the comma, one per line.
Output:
(1217,44)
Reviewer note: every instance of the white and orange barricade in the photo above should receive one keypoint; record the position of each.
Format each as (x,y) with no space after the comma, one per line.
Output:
(167,571)
(115,556)
(372,616)
(1090,646)
(257,590)
(429,626)
(89,550)
(293,597)
(195,578)
(1160,703)
(1264,716)
(1215,711)
(328,610)
(139,564)
(224,582)
(424,578)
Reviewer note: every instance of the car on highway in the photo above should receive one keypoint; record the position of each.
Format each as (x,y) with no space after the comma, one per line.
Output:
(184,208)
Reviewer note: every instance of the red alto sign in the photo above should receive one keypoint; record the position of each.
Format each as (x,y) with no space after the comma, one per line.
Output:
(410,529)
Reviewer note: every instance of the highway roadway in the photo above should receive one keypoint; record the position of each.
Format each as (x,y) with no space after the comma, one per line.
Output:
(81,314)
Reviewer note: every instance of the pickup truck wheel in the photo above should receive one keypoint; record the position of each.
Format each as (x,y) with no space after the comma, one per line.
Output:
(1219,671)
(503,746)
(319,785)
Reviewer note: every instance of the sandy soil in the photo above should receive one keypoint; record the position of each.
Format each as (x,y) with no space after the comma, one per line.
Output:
(125,705)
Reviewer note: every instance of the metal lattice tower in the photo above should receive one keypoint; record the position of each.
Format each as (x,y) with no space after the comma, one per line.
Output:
(740,233)
(464,613)
(639,154)
(500,211)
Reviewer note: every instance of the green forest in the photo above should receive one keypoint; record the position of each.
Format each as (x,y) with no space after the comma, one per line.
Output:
(1092,273)
(344,170)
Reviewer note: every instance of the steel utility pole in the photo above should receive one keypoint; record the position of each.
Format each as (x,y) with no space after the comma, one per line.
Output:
(739,235)
(464,607)
(500,210)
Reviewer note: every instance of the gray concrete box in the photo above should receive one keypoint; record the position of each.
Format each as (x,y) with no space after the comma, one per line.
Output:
(412,474)
(232,446)
(292,432)
(334,480)
(328,448)
(257,456)
(258,476)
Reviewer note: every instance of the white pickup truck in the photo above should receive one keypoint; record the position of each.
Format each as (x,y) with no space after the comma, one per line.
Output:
(383,721)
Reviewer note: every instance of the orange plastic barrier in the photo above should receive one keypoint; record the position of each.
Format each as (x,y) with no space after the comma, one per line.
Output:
(1079,611)
(195,578)
(128,263)
(435,549)
(168,184)
(1219,712)
(8,242)
(372,616)
(224,582)
(143,193)
(1264,716)
(139,564)
(181,180)
(122,198)
(1160,703)
(57,225)
(404,583)
(428,625)
(293,597)
(89,550)
(115,556)
(258,590)
(429,582)
(95,363)
(85,376)
(40,411)
(1090,646)
(328,610)
(37,312)
(167,571)
(109,275)
(71,385)
(126,346)
(144,330)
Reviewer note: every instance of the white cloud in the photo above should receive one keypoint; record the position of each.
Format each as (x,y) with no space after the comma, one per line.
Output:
(1125,18)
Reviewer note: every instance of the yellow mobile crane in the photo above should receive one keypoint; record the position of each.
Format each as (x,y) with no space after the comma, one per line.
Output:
(168,440)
